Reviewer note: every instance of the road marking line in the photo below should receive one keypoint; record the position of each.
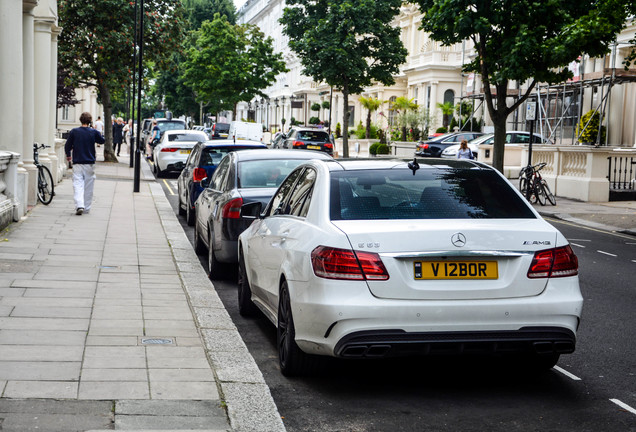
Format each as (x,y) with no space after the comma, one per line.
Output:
(574,244)
(613,233)
(168,186)
(599,251)
(581,240)
(624,406)
(567,374)
(633,260)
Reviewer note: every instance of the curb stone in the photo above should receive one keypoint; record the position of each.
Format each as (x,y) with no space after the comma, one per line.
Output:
(250,406)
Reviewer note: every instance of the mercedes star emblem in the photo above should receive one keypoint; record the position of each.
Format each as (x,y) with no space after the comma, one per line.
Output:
(458,239)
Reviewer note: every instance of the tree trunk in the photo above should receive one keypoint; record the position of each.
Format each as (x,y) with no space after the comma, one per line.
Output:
(499,144)
(368,124)
(345,124)
(109,154)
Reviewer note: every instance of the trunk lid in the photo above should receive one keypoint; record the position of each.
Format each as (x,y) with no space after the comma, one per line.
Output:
(459,259)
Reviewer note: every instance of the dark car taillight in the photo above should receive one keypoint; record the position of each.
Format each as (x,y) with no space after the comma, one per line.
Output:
(423,146)
(298,143)
(232,209)
(557,262)
(329,145)
(199,174)
(334,263)
(169,149)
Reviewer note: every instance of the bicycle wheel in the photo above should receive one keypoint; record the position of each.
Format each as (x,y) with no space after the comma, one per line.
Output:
(45,185)
(539,192)
(523,185)
(548,193)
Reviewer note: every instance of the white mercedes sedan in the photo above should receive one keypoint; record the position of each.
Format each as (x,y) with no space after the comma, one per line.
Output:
(174,148)
(379,258)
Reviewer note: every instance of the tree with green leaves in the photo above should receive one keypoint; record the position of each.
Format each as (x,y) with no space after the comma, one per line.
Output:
(349,44)
(96,45)
(401,106)
(371,104)
(198,11)
(447,109)
(230,63)
(522,40)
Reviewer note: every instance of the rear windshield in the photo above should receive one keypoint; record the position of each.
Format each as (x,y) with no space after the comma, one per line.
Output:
(170,125)
(429,194)
(212,156)
(314,136)
(186,137)
(265,173)
(222,127)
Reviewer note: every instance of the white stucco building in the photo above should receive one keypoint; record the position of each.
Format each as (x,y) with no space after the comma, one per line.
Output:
(28,77)
(432,75)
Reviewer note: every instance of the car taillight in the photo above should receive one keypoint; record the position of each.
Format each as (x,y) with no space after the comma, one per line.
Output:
(232,209)
(329,145)
(199,174)
(333,263)
(298,143)
(423,146)
(557,262)
(169,149)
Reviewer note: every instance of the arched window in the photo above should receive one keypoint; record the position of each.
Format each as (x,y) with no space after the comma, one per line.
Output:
(392,100)
(449,96)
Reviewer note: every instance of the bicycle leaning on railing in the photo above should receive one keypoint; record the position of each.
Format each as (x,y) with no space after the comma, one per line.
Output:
(45,179)
(533,186)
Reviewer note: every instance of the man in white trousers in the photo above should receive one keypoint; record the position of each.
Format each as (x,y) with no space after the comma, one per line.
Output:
(81,144)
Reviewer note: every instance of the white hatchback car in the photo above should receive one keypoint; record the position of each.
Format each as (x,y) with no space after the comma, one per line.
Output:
(367,259)
(174,148)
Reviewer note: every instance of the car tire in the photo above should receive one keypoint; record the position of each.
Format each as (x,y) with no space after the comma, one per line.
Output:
(292,360)
(215,270)
(190,214)
(199,246)
(246,306)
(182,211)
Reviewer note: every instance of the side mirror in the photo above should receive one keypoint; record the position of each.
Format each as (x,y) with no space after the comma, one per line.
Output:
(205,182)
(251,210)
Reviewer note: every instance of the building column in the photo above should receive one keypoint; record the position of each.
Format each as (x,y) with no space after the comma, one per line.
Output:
(28,111)
(52,126)
(433,106)
(42,87)
(11,75)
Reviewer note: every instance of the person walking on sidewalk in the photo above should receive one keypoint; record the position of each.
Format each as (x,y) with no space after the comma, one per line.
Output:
(99,126)
(81,144)
(118,134)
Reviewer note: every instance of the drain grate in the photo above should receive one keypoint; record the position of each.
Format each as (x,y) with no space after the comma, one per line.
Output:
(157,341)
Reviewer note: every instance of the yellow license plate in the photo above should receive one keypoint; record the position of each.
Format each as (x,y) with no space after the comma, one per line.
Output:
(185,151)
(455,270)
(310,147)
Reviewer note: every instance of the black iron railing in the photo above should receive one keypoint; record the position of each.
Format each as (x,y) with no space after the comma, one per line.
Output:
(621,173)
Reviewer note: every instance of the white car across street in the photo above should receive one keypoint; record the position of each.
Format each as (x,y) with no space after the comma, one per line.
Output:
(172,151)
(369,259)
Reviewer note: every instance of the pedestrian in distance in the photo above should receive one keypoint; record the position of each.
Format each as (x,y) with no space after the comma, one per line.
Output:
(464,152)
(128,131)
(156,134)
(80,148)
(118,134)
(99,126)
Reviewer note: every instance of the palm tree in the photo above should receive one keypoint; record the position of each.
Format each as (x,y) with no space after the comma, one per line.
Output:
(402,105)
(447,109)
(371,104)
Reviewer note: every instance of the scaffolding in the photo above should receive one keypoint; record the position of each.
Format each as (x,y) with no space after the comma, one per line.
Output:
(561,106)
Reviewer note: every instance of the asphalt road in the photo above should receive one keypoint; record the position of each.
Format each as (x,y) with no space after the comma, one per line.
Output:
(593,389)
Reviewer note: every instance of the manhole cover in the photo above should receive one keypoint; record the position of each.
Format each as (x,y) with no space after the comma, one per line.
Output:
(156,341)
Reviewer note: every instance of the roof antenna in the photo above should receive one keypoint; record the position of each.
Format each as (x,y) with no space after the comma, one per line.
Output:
(414,165)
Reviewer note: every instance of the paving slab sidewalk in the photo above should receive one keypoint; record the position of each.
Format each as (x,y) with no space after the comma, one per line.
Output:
(108,321)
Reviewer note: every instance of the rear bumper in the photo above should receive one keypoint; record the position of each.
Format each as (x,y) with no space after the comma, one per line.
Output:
(392,343)
(342,318)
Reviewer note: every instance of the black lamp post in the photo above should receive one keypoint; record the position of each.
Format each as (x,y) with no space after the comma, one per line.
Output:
(132,98)
(141,58)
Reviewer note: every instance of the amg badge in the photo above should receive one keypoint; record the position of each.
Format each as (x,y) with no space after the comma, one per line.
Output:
(537,242)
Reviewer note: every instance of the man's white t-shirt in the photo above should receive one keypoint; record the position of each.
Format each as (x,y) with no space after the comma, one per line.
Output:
(99,126)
